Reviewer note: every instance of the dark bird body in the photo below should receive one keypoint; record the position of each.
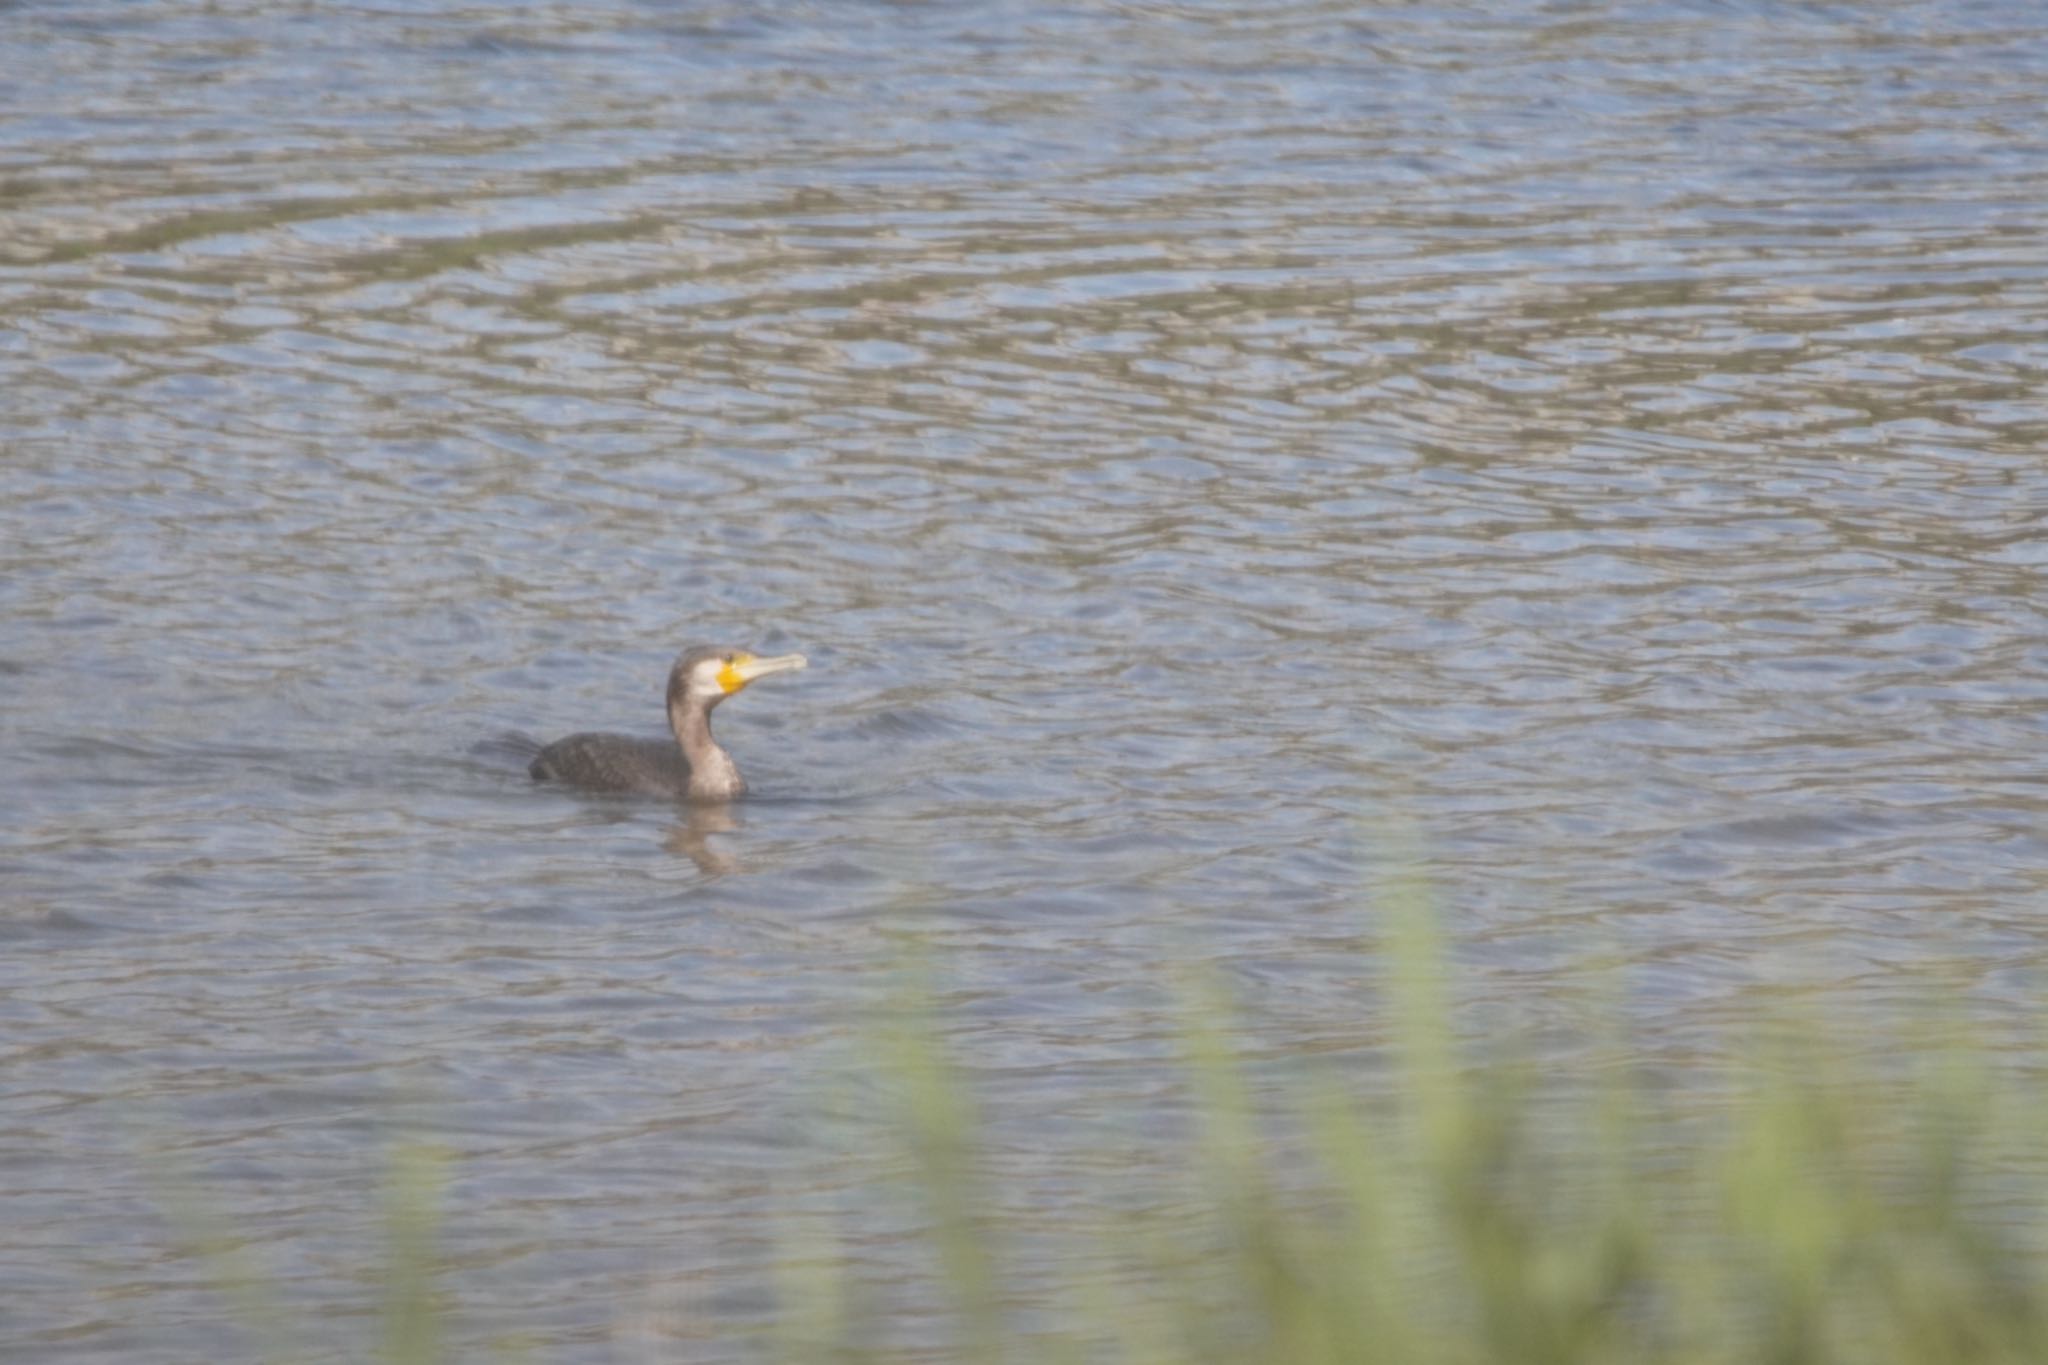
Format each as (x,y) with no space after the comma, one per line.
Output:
(693,766)
(615,763)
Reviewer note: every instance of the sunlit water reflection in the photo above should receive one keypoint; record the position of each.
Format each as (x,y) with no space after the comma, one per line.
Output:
(1209,455)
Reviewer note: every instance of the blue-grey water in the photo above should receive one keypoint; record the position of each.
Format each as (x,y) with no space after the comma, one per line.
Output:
(1211,454)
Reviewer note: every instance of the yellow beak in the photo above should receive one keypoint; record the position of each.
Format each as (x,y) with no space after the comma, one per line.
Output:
(744,668)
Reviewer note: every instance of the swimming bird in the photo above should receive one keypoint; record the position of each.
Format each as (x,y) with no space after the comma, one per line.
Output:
(694,767)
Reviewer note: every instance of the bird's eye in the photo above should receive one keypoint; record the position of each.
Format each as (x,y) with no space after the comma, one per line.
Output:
(728,658)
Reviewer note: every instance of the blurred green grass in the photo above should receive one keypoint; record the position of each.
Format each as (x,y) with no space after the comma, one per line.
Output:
(1822,1200)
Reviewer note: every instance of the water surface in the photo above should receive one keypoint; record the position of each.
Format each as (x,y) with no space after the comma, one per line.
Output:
(1210,455)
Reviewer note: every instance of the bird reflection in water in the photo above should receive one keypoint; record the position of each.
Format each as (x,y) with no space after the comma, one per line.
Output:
(692,837)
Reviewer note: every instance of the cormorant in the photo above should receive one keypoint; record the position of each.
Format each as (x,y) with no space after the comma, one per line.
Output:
(694,766)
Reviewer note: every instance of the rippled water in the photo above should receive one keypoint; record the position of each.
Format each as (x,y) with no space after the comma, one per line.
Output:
(1195,444)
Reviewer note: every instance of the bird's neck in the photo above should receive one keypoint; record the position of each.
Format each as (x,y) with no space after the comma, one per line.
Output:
(713,774)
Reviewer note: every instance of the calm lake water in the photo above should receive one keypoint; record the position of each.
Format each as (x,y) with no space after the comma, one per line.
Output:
(1211,454)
